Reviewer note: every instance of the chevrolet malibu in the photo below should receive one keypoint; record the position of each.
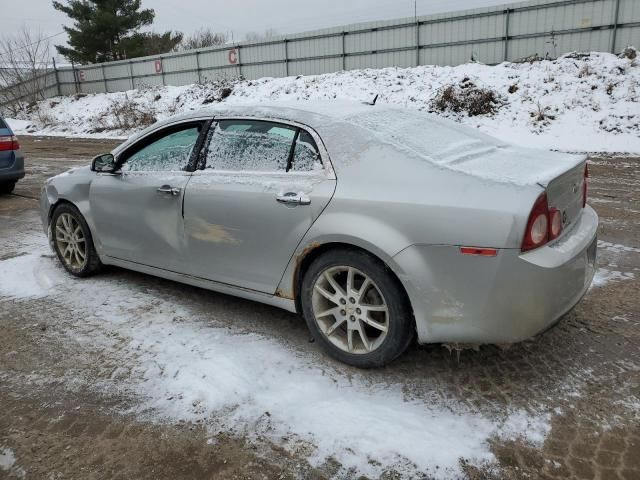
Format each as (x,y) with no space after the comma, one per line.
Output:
(378,225)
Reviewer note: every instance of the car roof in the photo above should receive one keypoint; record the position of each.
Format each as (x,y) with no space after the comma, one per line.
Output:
(350,129)
(308,113)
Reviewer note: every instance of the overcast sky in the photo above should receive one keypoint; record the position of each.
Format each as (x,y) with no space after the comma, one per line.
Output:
(240,16)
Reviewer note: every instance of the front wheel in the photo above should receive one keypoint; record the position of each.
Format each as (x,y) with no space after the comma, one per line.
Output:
(356,308)
(72,241)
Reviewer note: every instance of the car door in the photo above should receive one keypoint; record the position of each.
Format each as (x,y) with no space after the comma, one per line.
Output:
(138,211)
(260,188)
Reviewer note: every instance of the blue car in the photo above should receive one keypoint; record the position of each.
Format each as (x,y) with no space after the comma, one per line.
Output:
(11,159)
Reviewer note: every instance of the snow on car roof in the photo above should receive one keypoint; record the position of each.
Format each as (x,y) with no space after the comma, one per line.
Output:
(440,142)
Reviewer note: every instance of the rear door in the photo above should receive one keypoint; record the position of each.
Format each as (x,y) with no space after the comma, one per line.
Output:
(260,188)
(138,212)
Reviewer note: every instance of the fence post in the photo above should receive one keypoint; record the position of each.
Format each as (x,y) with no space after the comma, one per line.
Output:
(198,66)
(614,35)
(131,74)
(75,76)
(506,34)
(239,59)
(104,79)
(55,71)
(417,42)
(344,50)
(286,57)
(164,84)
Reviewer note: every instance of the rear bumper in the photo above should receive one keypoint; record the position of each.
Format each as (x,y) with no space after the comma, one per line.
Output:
(502,299)
(14,170)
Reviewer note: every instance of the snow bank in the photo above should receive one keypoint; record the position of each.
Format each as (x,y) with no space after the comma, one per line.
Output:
(578,103)
(184,364)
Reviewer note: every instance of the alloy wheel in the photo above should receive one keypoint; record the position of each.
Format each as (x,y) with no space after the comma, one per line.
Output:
(350,310)
(71,242)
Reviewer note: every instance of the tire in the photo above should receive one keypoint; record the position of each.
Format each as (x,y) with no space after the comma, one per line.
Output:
(68,218)
(383,303)
(7,188)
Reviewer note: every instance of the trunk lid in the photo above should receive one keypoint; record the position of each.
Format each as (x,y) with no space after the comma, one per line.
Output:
(565,193)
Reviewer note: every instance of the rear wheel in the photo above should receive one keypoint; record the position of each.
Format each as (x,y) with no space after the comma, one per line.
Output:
(7,187)
(72,241)
(356,308)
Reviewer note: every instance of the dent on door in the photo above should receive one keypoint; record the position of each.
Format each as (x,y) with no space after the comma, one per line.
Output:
(242,230)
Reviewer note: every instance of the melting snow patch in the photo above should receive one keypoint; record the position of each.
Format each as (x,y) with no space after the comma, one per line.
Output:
(255,386)
(29,276)
(604,276)
(617,248)
(7,459)
(8,463)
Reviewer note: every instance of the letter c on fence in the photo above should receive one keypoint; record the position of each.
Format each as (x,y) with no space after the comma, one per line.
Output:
(233,56)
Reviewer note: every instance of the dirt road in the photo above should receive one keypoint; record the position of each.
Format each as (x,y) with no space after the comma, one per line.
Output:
(68,408)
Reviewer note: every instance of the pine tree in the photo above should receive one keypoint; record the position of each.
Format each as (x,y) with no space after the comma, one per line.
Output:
(101,28)
(151,43)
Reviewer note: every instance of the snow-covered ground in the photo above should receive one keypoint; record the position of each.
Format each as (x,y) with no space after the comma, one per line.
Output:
(182,365)
(578,103)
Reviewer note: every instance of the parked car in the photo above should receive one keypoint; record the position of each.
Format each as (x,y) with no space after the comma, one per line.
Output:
(376,224)
(11,159)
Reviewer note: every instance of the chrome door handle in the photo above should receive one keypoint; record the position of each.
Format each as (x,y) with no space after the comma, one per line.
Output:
(292,198)
(169,190)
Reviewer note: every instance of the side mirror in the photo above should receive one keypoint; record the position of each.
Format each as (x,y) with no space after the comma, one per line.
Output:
(105,163)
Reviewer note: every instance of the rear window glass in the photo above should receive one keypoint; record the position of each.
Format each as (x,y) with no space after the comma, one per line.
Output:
(428,136)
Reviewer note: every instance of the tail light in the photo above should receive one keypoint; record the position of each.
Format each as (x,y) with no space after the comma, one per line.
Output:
(8,143)
(555,223)
(537,232)
(584,186)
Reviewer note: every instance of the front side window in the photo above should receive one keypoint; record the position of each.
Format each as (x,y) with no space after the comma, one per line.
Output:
(169,152)
(250,145)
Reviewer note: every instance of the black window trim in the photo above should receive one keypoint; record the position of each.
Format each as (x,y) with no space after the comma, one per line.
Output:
(292,150)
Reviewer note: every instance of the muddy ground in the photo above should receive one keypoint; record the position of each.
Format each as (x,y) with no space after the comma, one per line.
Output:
(52,429)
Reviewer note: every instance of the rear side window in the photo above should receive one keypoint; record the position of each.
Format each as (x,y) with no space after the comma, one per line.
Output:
(306,156)
(2,124)
(250,145)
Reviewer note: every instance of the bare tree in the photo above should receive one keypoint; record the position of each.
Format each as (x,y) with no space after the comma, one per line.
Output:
(24,68)
(203,38)
(255,37)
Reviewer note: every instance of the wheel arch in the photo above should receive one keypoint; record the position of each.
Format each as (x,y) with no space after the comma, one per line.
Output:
(53,206)
(82,207)
(307,255)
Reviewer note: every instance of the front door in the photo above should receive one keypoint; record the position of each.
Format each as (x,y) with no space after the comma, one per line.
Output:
(263,186)
(138,211)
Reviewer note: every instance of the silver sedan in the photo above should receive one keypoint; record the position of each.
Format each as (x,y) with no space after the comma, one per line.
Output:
(378,225)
